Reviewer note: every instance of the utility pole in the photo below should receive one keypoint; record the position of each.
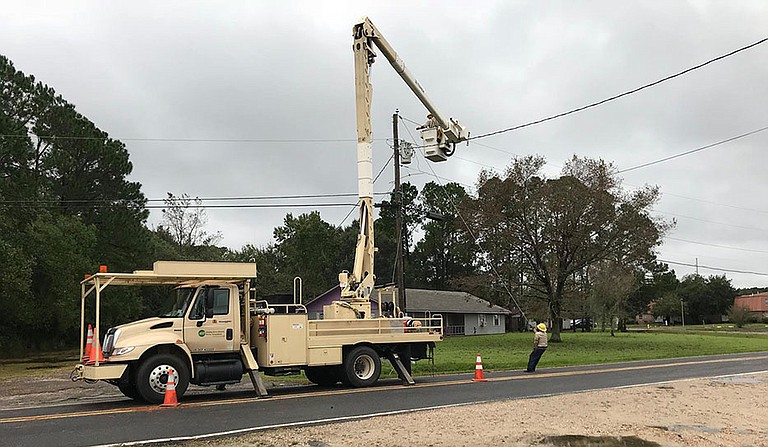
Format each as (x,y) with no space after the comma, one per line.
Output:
(682,312)
(398,199)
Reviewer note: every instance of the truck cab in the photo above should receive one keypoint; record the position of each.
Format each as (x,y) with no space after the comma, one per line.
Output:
(198,338)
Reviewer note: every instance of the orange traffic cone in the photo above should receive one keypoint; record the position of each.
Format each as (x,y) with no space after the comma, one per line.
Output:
(95,353)
(88,345)
(479,376)
(170,391)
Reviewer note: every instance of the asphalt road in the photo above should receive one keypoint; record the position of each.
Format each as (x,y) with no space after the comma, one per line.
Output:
(123,421)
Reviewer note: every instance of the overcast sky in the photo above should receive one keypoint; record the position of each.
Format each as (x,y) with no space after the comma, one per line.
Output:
(283,71)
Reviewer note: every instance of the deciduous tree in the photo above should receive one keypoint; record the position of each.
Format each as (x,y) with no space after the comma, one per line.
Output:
(560,226)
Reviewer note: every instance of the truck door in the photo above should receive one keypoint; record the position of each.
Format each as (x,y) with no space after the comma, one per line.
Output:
(209,325)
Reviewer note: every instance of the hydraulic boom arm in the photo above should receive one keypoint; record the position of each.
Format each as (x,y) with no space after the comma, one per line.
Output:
(357,286)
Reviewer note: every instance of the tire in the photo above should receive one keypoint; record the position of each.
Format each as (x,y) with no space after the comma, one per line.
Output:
(362,367)
(322,375)
(152,376)
(129,390)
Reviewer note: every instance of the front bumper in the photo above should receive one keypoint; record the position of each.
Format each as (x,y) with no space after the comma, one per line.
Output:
(101,372)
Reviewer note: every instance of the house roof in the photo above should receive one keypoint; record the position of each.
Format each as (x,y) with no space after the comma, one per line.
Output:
(435,301)
(421,300)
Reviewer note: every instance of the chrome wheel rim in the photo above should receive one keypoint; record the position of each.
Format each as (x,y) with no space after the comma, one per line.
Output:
(158,378)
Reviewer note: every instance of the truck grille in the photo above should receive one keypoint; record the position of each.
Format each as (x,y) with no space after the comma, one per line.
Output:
(109,342)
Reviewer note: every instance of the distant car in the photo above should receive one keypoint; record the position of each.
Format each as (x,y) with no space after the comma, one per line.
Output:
(585,324)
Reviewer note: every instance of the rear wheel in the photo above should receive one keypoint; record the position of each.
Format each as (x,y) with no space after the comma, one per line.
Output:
(323,375)
(362,367)
(152,377)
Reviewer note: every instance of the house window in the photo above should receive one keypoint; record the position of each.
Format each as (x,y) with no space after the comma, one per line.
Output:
(481,320)
(496,320)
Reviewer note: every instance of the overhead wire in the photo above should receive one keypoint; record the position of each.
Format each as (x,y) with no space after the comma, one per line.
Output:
(477,243)
(472,235)
(668,237)
(715,245)
(354,207)
(720,269)
(682,216)
(474,138)
(708,146)
(743,227)
(189,140)
(716,203)
(204,199)
(202,206)
(620,95)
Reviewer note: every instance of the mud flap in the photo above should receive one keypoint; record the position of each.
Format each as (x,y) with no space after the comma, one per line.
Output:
(402,372)
(253,371)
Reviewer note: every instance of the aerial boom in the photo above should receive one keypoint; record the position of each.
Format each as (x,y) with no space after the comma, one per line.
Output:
(439,142)
(365,29)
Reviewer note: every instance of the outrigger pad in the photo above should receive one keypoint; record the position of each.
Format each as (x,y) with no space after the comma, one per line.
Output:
(253,371)
(394,359)
(258,384)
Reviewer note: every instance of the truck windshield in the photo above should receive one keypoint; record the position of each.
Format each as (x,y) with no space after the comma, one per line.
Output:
(181,298)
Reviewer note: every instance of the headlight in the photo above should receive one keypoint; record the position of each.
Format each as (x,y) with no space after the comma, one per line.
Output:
(123,350)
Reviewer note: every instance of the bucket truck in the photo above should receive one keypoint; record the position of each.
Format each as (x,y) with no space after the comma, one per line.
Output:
(216,330)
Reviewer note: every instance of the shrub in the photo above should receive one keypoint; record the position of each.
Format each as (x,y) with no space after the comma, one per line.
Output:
(739,315)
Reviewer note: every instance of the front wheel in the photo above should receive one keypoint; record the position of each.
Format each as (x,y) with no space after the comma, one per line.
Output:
(152,377)
(129,390)
(362,367)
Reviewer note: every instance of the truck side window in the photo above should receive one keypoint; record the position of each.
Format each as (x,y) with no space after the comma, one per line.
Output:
(198,309)
(220,301)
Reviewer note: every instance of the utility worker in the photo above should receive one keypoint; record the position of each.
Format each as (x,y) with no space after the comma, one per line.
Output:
(539,346)
(432,123)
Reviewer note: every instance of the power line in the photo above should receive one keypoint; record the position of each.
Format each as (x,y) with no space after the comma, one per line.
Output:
(696,199)
(716,203)
(204,199)
(712,222)
(230,206)
(719,269)
(715,245)
(455,157)
(693,150)
(338,140)
(190,140)
(477,243)
(594,104)
(354,207)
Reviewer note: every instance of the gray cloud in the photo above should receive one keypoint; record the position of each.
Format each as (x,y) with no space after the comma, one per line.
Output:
(251,70)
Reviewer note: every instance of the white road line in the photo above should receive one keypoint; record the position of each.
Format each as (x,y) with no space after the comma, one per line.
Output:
(390,413)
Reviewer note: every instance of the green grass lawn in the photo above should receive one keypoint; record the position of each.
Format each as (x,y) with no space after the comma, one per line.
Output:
(510,351)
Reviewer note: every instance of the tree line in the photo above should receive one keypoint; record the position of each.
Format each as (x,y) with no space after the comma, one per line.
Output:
(573,245)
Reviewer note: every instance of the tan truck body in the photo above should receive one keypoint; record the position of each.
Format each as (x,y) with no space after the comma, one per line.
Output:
(210,339)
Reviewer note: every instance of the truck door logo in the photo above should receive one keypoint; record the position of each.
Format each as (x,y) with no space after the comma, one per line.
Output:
(201,333)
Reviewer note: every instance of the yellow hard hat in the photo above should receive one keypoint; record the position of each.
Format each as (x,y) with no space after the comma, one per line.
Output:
(542,327)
